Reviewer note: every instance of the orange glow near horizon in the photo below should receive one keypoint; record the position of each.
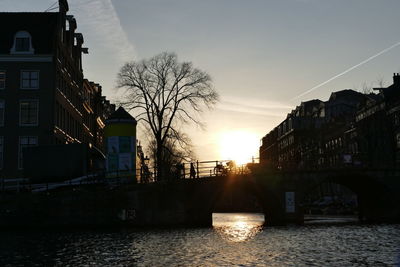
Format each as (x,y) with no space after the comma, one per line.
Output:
(239,146)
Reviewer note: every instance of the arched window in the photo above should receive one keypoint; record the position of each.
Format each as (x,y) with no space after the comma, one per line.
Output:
(22,43)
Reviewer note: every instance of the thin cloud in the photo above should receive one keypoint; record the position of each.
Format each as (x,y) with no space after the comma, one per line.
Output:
(346,71)
(103,27)
(254,102)
(109,46)
(268,106)
(255,107)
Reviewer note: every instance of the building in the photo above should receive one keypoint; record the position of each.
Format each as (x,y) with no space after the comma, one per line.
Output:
(291,144)
(96,110)
(349,129)
(377,125)
(340,111)
(44,98)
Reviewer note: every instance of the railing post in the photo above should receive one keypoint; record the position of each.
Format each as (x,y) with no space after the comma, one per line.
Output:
(184,173)
(197,167)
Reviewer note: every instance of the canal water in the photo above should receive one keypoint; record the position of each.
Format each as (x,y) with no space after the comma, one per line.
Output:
(236,239)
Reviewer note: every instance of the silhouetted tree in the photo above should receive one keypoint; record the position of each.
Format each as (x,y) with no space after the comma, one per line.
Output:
(176,151)
(380,82)
(366,88)
(165,93)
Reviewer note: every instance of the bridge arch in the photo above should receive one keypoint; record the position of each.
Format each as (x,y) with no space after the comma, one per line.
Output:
(269,199)
(374,197)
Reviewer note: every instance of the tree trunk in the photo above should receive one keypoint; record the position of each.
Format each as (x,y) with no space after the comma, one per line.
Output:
(159,161)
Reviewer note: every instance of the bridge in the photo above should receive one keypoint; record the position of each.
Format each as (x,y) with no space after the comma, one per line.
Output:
(279,195)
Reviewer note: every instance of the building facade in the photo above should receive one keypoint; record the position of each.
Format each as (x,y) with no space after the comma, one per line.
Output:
(44,98)
(351,129)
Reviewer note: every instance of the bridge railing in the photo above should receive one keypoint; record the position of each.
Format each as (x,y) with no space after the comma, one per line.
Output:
(212,168)
(202,169)
(112,178)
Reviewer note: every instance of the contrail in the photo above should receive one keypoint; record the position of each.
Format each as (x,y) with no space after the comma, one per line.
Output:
(346,71)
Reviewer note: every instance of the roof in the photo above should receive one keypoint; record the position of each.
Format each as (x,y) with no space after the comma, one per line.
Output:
(40,25)
(346,93)
(390,93)
(121,115)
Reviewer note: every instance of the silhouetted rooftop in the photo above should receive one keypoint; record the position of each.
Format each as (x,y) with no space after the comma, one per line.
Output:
(391,92)
(121,115)
(345,94)
(40,25)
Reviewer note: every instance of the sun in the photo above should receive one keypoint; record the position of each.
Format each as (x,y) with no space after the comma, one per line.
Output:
(239,146)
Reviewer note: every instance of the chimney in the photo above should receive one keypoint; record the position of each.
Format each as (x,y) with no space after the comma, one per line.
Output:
(63,6)
(396,79)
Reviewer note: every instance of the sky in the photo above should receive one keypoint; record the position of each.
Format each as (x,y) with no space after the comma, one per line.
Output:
(263,55)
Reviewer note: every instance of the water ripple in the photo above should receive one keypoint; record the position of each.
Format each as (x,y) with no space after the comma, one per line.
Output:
(234,241)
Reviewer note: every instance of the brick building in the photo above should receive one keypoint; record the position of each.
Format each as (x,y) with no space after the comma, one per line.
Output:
(44,98)
(350,129)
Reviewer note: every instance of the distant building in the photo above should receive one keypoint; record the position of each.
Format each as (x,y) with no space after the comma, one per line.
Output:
(44,98)
(378,128)
(351,129)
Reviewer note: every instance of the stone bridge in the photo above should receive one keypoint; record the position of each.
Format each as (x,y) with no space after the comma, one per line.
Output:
(191,202)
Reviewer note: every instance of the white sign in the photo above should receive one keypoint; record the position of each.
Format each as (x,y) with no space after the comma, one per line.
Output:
(347,158)
(290,202)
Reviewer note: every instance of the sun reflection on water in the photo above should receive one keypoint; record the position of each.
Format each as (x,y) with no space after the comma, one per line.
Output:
(237,227)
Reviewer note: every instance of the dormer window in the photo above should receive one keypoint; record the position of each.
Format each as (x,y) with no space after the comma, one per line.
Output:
(22,43)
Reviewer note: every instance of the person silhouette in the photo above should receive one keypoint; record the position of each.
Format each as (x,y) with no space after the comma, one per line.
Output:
(192,170)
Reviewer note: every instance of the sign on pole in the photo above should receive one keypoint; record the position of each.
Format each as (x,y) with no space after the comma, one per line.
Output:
(290,202)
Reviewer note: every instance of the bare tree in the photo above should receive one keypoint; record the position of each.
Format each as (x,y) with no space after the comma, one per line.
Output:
(165,94)
(366,88)
(174,155)
(369,88)
(380,82)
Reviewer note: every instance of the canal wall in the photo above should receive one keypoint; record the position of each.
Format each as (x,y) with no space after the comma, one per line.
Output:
(180,203)
(188,202)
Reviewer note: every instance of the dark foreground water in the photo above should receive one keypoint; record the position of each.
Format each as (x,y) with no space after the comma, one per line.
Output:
(235,240)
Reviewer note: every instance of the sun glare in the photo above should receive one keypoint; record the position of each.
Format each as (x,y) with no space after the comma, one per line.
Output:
(239,146)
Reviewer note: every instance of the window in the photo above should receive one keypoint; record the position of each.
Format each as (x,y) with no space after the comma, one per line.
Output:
(398,140)
(25,141)
(2,79)
(1,112)
(28,112)
(1,151)
(29,79)
(22,43)
(396,118)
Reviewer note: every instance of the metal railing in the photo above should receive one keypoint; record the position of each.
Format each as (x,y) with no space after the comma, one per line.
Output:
(211,168)
(192,170)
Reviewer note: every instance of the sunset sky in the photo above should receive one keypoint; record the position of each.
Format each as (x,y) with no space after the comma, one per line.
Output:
(262,55)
